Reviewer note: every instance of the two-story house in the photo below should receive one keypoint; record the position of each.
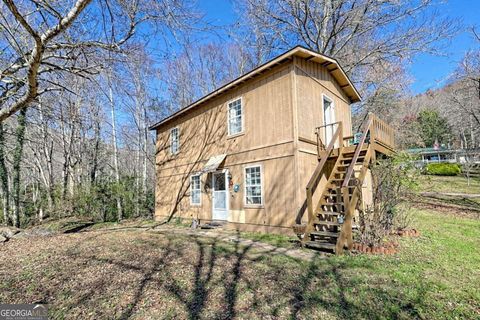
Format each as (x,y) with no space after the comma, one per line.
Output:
(260,151)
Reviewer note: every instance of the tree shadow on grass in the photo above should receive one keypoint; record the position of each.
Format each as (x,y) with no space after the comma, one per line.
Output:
(95,290)
(282,287)
(231,293)
(329,285)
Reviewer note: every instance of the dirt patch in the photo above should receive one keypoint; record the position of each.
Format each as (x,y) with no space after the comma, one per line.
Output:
(445,208)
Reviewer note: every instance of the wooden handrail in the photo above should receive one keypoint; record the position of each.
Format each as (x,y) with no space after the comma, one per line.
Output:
(328,124)
(313,182)
(320,144)
(350,205)
(358,149)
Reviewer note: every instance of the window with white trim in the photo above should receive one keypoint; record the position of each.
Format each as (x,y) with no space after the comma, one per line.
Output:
(253,185)
(174,140)
(235,117)
(195,190)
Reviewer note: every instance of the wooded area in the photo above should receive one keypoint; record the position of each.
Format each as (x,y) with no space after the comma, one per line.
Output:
(81,81)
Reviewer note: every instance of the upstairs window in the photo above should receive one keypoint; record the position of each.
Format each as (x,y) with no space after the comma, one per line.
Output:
(253,185)
(195,191)
(174,141)
(235,117)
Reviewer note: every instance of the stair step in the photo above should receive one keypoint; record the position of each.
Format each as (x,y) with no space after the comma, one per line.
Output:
(320,245)
(332,195)
(328,213)
(326,223)
(326,234)
(345,172)
(349,187)
(332,203)
(346,165)
(352,152)
(351,158)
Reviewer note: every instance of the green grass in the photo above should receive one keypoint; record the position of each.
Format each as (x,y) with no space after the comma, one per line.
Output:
(273,239)
(457,184)
(139,274)
(435,276)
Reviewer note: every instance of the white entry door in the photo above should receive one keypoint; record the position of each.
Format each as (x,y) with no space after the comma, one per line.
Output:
(219,196)
(328,118)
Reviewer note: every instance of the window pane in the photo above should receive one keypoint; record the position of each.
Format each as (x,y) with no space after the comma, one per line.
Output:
(253,185)
(235,117)
(195,192)
(174,140)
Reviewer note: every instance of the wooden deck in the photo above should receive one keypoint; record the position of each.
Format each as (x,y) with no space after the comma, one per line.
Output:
(330,219)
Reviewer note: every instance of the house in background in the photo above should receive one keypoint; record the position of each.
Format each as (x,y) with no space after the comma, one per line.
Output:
(442,154)
(270,151)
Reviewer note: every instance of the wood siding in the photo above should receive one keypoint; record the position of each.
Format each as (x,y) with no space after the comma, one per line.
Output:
(279,107)
(312,82)
(267,140)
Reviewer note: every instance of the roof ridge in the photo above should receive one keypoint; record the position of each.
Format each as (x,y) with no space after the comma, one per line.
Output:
(252,73)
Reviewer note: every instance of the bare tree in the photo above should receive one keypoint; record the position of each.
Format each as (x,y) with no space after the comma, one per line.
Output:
(115,146)
(17,159)
(466,91)
(372,40)
(43,39)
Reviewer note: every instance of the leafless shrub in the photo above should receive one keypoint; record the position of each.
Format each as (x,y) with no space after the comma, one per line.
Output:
(393,180)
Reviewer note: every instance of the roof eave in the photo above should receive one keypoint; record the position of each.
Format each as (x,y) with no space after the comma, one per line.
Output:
(354,96)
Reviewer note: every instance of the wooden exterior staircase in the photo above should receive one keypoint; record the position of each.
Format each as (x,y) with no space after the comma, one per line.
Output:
(330,218)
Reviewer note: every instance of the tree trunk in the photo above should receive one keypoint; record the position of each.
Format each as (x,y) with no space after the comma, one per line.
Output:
(115,155)
(17,160)
(96,148)
(138,117)
(4,179)
(48,154)
(145,159)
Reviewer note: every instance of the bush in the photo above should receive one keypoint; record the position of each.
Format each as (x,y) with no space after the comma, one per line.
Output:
(443,169)
(393,181)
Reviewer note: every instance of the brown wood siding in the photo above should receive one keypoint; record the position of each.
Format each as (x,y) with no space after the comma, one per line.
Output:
(267,140)
(312,82)
(279,106)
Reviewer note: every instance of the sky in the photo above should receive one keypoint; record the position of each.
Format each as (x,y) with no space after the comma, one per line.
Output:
(427,71)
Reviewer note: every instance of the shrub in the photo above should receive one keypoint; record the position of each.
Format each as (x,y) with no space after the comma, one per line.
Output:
(393,181)
(443,169)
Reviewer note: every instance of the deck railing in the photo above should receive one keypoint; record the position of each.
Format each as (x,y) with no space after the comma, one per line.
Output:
(379,132)
(382,132)
(321,133)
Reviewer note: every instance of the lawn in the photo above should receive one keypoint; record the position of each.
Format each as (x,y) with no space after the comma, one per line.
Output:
(457,184)
(140,274)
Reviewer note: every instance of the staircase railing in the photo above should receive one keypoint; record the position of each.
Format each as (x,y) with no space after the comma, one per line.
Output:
(315,179)
(321,146)
(358,149)
(350,201)
(377,131)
